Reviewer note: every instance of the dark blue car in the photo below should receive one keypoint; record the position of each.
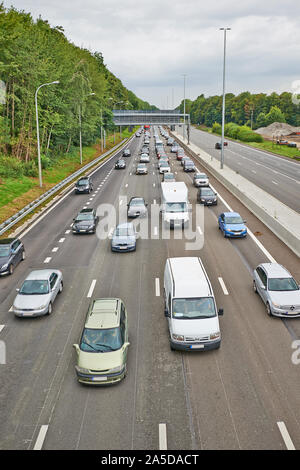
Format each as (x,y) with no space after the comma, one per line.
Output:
(232,225)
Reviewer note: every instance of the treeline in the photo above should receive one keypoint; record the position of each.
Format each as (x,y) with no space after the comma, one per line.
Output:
(248,109)
(33,53)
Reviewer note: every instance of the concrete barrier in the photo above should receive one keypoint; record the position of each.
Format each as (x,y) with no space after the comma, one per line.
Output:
(283,221)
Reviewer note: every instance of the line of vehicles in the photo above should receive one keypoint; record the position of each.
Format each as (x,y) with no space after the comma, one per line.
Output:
(190,305)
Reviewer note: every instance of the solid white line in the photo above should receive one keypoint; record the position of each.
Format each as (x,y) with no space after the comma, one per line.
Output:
(47,260)
(274,182)
(1,327)
(154,201)
(67,231)
(90,292)
(155,231)
(55,249)
(157,287)
(223,286)
(199,230)
(41,437)
(162,436)
(61,240)
(285,436)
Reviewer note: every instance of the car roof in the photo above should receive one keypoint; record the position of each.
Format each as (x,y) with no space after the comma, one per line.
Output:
(103,313)
(190,278)
(41,274)
(275,270)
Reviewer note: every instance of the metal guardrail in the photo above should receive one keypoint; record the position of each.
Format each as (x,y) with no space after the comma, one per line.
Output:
(7,224)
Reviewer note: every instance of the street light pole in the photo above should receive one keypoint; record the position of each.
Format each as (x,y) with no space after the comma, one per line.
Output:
(80,136)
(184,75)
(38,130)
(223,102)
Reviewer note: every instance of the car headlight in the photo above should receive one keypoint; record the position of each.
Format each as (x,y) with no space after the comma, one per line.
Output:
(42,307)
(4,266)
(228,229)
(202,200)
(117,369)
(275,305)
(81,370)
(178,337)
(215,335)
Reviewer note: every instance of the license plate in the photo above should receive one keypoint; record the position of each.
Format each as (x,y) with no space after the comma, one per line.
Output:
(99,379)
(197,346)
(81,230)
(123,247)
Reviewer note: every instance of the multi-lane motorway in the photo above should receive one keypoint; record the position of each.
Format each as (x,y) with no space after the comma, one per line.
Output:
(231,398)
(278,176)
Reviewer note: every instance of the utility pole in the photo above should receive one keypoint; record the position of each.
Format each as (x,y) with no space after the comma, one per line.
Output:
(223,102)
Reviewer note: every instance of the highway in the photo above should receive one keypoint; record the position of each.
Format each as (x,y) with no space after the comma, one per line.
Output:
(231,398)
(279,176)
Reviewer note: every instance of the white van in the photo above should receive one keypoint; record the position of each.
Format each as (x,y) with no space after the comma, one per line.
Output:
(175,204)
(190,305)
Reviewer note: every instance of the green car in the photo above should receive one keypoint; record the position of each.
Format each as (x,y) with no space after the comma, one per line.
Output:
(102,352)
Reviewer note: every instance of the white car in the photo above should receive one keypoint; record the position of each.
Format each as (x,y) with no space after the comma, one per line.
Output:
(164,168)
(144,158)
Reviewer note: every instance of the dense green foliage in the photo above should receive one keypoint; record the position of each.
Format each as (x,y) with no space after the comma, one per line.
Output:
(34,53)
(243,133)
(262,108)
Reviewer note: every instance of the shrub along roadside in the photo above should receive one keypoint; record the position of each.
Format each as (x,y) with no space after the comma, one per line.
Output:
(234,131)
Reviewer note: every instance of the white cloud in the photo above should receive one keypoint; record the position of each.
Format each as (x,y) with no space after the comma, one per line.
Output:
(150,44)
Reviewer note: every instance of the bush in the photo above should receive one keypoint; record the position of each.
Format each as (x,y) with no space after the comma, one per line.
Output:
(217,128)
(30,169)
(247,135)
(45,162)
(11,167)
(231,130)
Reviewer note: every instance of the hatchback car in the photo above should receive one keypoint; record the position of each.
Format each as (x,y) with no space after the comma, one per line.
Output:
(169,178)
(120,165)
(11,253)
(141,169)
(137,207)
(278,290)
(188,166)
(124,238)
(126,153)
(85,222)
(144,158)
(174,148)
(232,225)
(37,293)
(83,185)
(207,196)
(200,180)
(102,349)
(164,167)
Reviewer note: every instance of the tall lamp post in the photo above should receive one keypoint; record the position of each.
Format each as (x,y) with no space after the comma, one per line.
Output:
(184,75)
(223,103)
(80,136)
(38,130)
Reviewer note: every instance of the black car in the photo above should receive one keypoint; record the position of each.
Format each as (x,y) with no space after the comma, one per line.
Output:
(218,145)
(126,153)
(207,196)
(83,185)
(189,165)
(85,222)
(120,165)
(11,253)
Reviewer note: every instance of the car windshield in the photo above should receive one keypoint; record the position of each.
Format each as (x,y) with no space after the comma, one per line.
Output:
(82,182)
(164,164)
(124,231)
(200,177)
(189,163)
(104,340)
(169,176)
(137,202)
(202,307)
(231,220)
(4,251)
(141,165)
(176,207)
(207,192)
(283,284)
(84,217)
(34,287)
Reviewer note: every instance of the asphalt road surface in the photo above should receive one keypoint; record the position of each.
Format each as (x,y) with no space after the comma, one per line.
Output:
(231,398)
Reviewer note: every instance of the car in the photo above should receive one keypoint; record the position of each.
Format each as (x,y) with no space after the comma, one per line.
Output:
(207,197)
(138,134)
(161,161)
(180,153)
(37,293)
(189,165)
(145,150)
(218,145)
(126,153)
(124,238)
(232,225)
(170,141)
(141,169)
(102,349)
(174,148)
(168,177)
(83,185)
(137,207)
(146,141)
(200,179)
(85,222)
(120,165)
(144,158)
(184,159)
(278,289)
(12,251)
(164,167)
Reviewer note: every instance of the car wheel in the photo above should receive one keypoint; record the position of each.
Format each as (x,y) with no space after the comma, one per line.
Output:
(61,286)
(23,256)
(171,347)
(269,311)
(11,268)
(49,309)
(254,287)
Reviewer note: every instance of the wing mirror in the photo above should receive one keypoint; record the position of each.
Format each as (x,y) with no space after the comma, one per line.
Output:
(76,347)
(221,311)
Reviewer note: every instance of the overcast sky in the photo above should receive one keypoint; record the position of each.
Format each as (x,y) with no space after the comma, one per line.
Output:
(149,45)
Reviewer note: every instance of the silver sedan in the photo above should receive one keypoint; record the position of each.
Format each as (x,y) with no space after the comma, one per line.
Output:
(37,293)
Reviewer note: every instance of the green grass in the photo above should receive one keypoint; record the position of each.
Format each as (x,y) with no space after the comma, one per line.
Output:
(11,188)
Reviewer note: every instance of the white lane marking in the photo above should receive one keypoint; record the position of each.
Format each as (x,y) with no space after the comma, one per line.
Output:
(55,249)
(121,202)
(130,174)
(126,185)
(67,232)
(162,431)
(253,171)
(199,230)
(90,199)
(11,309)
(61,240)
(223,286)
(41,437)
(153,185)
(285,436)
(71,225)
(88,203)
(47,260)
(154,201)
(274,182)
(157,287)
(155,231)
(91,290)
(1,327)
